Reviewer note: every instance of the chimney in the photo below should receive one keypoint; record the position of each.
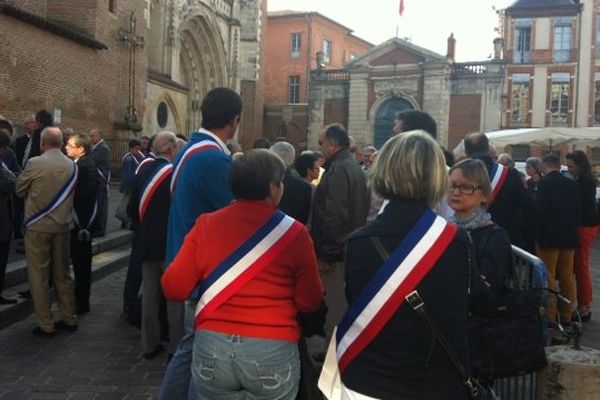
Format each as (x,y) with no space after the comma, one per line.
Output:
(451,47)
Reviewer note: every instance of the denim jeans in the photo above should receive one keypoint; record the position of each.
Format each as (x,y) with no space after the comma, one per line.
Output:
(176,382)
(232,367)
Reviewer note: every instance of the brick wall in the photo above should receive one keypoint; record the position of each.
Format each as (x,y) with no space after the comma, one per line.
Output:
(39,69)
(37,7)
(314,28)
(465,110)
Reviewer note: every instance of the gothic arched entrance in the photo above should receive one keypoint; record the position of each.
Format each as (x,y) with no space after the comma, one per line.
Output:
(203,62)
(384,122)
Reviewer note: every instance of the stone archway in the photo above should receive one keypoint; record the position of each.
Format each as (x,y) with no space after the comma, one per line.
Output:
(203,62)
(384,121)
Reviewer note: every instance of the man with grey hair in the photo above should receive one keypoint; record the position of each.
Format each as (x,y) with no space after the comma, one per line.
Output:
(297,194)
(47,185)
(148,208)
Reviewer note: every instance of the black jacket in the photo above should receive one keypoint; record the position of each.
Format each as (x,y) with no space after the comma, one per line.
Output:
(151,233)
(20,146)
(340,205)
(403,362)
(589,208)
(558,212)
(85,191)
(512,206)
(297,196)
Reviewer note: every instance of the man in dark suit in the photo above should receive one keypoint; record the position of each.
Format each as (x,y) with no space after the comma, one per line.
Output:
(558,216)
(151,221)
(297,194)
(22,149)
(101,155)
(512,206)
(78,147)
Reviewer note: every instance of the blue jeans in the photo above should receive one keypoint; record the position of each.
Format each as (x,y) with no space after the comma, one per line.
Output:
(176,382)
(232,367)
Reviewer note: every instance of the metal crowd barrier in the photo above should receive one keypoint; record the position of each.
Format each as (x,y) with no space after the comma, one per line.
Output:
(529,272)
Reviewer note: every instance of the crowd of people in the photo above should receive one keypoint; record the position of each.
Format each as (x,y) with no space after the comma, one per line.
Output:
(254,251)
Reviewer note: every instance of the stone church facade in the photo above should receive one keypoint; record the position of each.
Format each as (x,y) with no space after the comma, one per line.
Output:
(81,60)
(396,75)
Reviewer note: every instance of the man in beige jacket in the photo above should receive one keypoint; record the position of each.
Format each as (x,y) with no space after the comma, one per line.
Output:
(47,185)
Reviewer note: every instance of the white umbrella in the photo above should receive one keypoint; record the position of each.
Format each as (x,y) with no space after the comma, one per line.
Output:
(548,137)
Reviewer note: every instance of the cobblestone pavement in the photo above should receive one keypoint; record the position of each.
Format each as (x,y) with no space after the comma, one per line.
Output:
(102,360)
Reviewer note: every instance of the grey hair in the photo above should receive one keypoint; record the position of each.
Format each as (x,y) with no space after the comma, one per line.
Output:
(286,151)
(29,118)
(52,136)
(536,163)
(163,141)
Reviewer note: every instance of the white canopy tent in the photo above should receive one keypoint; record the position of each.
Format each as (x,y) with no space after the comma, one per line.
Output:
(549,137)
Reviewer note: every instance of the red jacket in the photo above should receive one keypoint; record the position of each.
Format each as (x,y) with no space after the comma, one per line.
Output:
(266,306)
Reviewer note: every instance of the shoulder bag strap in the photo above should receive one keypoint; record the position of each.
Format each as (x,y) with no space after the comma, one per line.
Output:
(417,304)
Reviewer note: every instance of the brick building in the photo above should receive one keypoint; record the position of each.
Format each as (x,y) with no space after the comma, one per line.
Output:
(396,75)
(293,41)
(74,57)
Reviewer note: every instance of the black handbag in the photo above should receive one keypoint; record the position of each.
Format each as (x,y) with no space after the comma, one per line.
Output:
(510,342)
(308,388)
(474,389)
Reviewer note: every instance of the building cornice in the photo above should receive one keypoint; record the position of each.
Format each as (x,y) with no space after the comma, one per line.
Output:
(57,28)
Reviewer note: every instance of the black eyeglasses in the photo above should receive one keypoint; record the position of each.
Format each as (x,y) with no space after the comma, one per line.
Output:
(464,189)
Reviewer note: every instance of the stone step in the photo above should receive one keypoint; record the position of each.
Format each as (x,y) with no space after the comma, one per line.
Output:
(103,264)
(16,271)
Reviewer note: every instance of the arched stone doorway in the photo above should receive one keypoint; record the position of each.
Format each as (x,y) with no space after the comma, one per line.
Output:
(384,121)
(203,62)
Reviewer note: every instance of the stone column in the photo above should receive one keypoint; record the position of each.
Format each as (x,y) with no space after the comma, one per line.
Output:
(316,113)
(436,98)
(358,112)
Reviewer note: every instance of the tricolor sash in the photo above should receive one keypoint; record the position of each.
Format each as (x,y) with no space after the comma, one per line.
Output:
(199,147)
(135,159)
(145,161)
(5,167)
(64,192)
(498,175)
(152,185)
(246,262)
(105,179)
(401,273)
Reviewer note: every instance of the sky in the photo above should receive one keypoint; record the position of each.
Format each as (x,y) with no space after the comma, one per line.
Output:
(426,23)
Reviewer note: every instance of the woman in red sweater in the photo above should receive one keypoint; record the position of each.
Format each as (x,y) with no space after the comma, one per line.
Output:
(256,268)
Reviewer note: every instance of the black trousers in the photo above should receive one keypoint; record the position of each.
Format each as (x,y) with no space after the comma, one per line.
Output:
(4,249)
(81,256)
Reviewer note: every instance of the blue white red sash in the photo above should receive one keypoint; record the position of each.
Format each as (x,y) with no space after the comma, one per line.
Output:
(384,294)
(498,175)
(246,262)
(64,192)
(90,221)
(158,177)
(203,145)
(145,161)
(135,159)
(4,166)
(105,179)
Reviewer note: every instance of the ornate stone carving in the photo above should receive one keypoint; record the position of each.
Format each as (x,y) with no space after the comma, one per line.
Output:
(396,88)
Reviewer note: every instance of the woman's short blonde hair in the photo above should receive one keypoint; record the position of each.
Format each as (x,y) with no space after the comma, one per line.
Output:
(410,166)
(475,171)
